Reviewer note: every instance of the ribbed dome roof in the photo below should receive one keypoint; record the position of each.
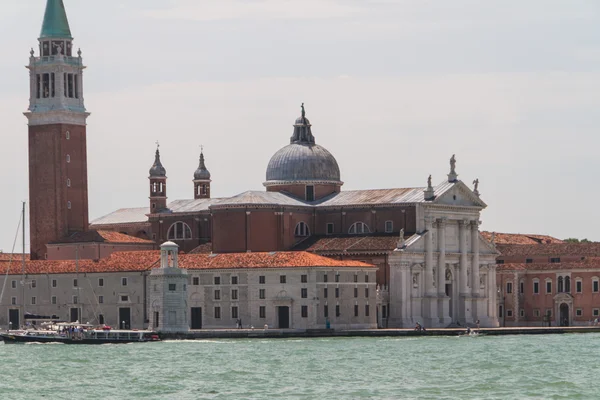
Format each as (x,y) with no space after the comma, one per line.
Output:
(303,159)
(303,162)
(157,170)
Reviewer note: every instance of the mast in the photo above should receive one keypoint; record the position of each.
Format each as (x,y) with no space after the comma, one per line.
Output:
(23,268)
(79,301)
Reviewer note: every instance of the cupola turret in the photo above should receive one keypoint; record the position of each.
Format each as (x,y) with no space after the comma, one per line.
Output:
(202,180)
(158,184)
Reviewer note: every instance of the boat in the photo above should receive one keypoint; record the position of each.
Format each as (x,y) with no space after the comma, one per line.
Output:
(77,333)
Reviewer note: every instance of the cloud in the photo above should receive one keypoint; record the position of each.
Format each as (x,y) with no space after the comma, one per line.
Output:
(208,10)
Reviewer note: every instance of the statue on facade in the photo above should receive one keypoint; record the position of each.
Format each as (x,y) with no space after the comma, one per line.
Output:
(416,279)
(429,182)
(482,282)
(476,184)
(401,242)
(453,164)
(433,273)
(448,274)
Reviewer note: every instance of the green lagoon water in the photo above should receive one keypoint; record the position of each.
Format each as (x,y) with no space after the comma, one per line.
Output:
(506,367)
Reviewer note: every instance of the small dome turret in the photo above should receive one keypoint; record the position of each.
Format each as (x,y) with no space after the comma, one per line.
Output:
(202,173)
(157,170)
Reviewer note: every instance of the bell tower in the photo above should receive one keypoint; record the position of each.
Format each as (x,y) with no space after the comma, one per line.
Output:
(202,180)
(158,184)
(58,193)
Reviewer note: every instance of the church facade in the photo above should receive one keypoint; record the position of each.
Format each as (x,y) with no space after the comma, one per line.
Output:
(433,266)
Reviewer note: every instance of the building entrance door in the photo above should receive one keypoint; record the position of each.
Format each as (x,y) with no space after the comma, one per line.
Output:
(125,318)
(13,319)
(196,318)
(284,317)
(564,314)
(74,314)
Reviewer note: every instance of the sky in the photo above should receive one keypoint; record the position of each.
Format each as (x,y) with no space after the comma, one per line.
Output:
(393,88)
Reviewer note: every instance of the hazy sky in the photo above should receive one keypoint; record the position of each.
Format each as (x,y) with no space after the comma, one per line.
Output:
(392,87)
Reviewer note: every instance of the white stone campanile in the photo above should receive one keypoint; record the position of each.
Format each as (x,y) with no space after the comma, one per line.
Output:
(168,293)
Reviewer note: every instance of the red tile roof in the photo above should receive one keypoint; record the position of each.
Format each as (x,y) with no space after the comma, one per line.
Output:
(517,238)
(205,248)
(14,256)
(145,260)
(587,263)
(102,236)
(349,244)
(555,250)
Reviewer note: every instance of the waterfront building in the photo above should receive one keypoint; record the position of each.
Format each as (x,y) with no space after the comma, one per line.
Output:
(287,290)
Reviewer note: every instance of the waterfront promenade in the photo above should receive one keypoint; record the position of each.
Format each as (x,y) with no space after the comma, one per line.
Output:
(292,333)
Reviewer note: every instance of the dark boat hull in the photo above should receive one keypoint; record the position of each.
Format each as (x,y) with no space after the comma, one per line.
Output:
(9,338)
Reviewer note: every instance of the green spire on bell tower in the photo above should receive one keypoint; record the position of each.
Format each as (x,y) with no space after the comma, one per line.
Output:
(56,24)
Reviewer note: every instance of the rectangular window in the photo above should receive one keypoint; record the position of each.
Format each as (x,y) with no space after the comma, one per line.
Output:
(261,279)
(54,283)
(330,228)
(383,311)
(595,312)
(578,286)
(304,311)
(123,281)
(337,277)
(324,293)
(536,287)
(536,313)
(303,278)
(261,294)
(579,312)
(195,281)
(76,84)
(555,259)
(595,286)
(282,279)
(70,86)
(337,311)
(325,277)
(13,301)
(45,86)
(100,299)
(124,299)
(217,312)
(234,312)
(366,310)
(355,292)
(38,86)
(234,280)
(508,287)
(75,283)
(325,311)
(548,287)
(75,300)
(172,287)
(528,261)
(304,293)
(499,261)
(367,292)
(522,313)
(234,294)
(355,278)
(367,278)
(33,300)
(549,312)
(500,311)
(53,300)
(33,283)
(337,292)
(217,280)
(217,295)
(262,312)
(100,282)
(509,313)
(521,287)
(310,193)
(52,85)
(13,284)
(356,310)
(389,226)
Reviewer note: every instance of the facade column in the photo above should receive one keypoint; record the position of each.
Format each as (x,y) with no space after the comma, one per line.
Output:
(464,305)
(443,300)
(430,308)
(475,267)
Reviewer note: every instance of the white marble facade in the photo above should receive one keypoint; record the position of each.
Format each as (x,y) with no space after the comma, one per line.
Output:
(446,273)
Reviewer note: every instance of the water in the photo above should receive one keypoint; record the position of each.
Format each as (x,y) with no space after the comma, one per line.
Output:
(506,367)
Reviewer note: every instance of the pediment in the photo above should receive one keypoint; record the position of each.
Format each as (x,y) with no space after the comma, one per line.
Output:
(486,247)
(459,194)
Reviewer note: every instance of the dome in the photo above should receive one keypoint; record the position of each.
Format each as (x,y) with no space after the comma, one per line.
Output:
(202,174)
(303,162)
(157,170)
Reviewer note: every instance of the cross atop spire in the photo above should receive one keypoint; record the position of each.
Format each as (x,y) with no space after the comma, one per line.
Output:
(56,24)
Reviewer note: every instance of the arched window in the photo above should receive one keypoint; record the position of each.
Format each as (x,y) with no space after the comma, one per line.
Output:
(204,189)
(179,231)
(301,230)
(154,187)
(68,158)
(68,135)
(68,205)
(359,227)
(560,284)
(68,182)
(567,284)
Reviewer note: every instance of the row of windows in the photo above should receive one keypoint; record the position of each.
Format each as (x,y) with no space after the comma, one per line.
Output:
(46,86)
(54,283)
(548,313)
(262,311)
(563,286)
(262,279)
(74,300)
(303,293)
